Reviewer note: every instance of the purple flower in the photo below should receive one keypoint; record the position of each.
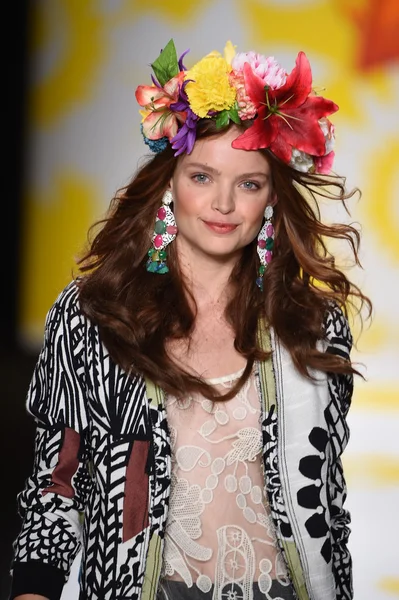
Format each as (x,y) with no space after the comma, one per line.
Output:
(184,139)
(181,66)
(156,82)
(181,103)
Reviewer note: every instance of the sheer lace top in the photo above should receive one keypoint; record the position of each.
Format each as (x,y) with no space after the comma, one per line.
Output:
(219,530)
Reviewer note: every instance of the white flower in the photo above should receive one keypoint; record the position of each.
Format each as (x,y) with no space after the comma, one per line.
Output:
(301,161)
(328,130)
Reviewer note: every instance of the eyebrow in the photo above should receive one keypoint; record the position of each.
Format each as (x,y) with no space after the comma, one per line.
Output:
(204,167)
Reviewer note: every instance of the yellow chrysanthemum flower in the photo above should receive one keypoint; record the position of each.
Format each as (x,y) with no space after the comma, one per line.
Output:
(210,88)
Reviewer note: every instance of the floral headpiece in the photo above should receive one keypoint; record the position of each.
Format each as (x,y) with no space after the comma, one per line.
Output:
(288,117)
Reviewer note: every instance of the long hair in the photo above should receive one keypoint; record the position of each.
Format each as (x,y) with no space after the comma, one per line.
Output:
(139,312)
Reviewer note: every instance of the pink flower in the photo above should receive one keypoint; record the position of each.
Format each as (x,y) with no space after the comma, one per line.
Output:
(246,108)
(266,68)
(323,164)
(159,119)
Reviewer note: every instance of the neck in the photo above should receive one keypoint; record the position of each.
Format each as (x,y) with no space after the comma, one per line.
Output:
(207,278)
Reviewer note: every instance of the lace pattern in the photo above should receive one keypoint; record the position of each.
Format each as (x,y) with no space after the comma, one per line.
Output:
(219,532)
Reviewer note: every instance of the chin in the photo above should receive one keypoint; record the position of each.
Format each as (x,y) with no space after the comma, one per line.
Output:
(221,253)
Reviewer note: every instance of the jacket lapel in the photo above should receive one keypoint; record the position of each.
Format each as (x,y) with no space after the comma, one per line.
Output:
(303,456)
(272,441)
(160,475)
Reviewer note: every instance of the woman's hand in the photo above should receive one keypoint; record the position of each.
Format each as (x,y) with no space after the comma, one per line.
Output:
(30,597)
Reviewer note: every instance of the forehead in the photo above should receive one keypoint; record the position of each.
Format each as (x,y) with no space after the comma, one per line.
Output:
(217,153)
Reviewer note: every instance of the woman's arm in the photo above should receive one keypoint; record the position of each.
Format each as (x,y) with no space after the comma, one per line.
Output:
(340,392)
(56,493)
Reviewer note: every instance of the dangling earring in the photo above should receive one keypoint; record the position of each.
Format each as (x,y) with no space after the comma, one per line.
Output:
(265,245)
(164,233)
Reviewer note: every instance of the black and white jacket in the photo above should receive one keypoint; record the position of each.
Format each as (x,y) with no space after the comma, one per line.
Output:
(101,476)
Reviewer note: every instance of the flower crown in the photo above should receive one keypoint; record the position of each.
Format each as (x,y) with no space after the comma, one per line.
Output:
(287,115)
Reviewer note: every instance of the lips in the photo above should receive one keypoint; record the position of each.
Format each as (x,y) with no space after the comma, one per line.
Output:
(218,227)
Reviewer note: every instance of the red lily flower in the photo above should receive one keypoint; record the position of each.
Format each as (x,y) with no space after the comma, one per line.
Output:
(287,117)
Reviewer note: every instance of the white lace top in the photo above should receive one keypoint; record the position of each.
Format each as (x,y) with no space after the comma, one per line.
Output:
(219,530)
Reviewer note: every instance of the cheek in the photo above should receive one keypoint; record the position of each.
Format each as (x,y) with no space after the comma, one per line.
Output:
(255,216)
(254,222)
(186,202)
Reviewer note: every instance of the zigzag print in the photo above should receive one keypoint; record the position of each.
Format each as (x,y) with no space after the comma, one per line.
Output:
(76,387)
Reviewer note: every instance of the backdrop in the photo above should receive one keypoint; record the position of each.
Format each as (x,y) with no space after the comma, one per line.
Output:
(84,142)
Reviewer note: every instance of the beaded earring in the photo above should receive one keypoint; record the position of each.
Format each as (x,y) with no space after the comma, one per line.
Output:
(164,233)
(265,245)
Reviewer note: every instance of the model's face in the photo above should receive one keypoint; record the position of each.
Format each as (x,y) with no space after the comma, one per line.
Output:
(220,194)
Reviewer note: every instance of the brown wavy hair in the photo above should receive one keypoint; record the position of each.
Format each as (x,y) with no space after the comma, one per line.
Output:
(138,312)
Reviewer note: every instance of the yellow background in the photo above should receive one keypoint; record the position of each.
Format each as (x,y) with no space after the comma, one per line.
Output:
(84,142)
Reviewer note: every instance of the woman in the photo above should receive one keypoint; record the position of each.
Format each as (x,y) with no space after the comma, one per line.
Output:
(194,380)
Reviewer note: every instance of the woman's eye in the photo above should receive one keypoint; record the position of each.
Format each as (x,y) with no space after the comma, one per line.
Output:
(200,178)
(251,185)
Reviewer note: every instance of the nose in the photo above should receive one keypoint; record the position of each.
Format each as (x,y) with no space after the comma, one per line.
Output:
(224,201)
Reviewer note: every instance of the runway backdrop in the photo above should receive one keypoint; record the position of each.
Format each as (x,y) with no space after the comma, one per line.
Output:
(84,142)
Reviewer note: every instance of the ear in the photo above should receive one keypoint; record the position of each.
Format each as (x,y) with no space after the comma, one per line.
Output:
(273,199)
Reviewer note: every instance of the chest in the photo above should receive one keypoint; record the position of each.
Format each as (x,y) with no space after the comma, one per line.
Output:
(210,350)
(228,430)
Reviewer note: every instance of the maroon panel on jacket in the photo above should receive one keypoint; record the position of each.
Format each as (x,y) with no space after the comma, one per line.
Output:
(135,504)
(68,462)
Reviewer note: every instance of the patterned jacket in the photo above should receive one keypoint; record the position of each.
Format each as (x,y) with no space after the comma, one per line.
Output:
(103,451)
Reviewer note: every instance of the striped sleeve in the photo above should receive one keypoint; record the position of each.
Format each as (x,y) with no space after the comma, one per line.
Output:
(56,492)
(339,339)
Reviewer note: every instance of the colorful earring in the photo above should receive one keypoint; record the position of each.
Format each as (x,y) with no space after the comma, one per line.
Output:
(164,233)
(265,245)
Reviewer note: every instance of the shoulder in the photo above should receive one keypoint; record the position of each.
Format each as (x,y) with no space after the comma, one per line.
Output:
(65,311)
(337,332)
(69,295)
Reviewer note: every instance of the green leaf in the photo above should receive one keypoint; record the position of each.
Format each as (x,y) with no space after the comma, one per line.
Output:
(233,114)
(222,119)
(166,65)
